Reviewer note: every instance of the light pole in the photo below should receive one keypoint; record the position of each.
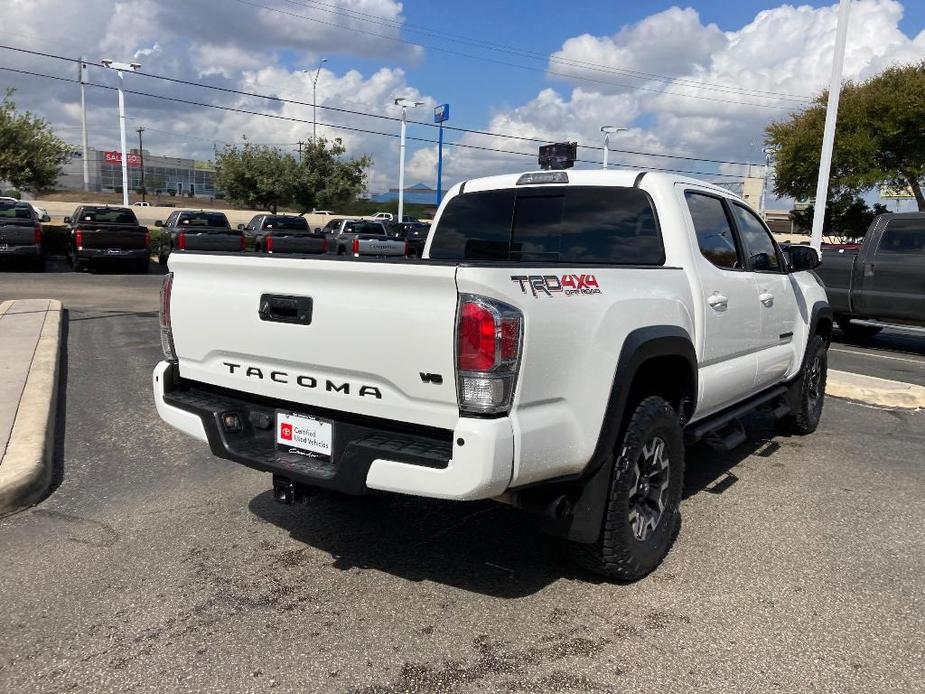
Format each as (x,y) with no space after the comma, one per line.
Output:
(828,132)
(82,71)
(120,68)
(141,157)
(609,130)
(315,100)
(405,105)
(764,186)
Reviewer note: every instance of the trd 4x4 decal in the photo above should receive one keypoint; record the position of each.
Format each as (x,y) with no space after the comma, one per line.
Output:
(569,285)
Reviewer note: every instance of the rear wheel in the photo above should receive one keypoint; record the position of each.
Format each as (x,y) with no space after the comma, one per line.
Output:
(642,517)
(855,331)
(810,394)
(142,265)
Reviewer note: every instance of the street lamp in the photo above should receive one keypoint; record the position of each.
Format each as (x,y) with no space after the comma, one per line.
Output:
(120,68)
(609,130)
(315,99)
(405,105)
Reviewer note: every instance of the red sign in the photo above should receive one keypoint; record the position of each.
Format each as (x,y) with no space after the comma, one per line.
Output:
(115,157)
(285,431)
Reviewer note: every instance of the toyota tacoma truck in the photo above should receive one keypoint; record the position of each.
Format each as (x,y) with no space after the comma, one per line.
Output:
(20,232)
(106,234)
(882,281)
(565,335)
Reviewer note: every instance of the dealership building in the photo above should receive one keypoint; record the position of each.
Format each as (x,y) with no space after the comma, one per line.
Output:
(168,175)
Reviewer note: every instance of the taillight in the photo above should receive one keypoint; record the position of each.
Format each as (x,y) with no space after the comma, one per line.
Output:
(269,244)
(79,240)
(170,353)
(324,245)
(356,246)
(244,242)
(38,234)
(489,335)
(181,240)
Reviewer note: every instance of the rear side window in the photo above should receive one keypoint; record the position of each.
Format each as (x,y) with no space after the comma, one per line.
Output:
(580,224)
(762,252)
(903,236)
(202,219)
(714,232)
(289,223)
(107,215)
(15,210)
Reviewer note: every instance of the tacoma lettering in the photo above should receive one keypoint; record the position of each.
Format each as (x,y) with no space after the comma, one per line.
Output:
(305,381)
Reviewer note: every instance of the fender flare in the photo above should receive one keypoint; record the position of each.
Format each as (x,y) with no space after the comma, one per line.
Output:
(590,489)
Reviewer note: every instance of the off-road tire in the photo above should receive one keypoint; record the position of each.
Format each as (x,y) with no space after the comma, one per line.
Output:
(810,395)
(855,331)
(618,553)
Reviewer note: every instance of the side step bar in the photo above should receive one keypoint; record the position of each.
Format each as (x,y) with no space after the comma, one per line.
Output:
(712,426)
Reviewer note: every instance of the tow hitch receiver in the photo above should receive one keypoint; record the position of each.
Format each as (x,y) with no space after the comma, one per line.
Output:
(287,492)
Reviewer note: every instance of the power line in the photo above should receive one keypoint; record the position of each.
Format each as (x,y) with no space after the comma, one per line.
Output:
(513,50)
(336,109)
(502,62)
(348,128)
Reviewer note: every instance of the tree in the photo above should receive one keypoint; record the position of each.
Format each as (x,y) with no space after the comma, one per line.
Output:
(266,178)
(256,176)
(325,179)
(879,140)
(845,216)
(31,156)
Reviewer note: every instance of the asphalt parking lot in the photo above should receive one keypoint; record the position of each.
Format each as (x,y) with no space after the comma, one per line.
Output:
(154,567)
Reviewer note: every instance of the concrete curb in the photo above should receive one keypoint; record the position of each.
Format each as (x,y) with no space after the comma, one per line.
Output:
(26,466)
(875,391)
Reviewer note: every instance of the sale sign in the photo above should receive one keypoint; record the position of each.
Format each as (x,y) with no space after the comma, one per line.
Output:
(115,157)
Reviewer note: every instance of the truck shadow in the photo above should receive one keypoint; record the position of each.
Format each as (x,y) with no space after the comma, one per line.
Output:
(483,547)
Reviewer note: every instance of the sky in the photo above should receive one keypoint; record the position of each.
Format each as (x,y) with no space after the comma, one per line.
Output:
(699,80)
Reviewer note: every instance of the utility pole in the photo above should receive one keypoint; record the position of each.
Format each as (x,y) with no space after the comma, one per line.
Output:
(315,100)
(141,156)
(764,184)
(405,105)
(300,143)
(441,113)
(119,68)
(82,77)
(831,117)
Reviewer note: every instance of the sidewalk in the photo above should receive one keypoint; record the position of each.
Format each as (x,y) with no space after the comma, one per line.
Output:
(29,342)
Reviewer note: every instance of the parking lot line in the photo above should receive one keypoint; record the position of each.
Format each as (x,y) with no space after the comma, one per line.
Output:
(877,356)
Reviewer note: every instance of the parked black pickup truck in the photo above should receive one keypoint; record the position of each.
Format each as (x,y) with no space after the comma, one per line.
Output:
(20,232)
(276,233)
(103,233)
(414,234)
(191,230)
(883,281)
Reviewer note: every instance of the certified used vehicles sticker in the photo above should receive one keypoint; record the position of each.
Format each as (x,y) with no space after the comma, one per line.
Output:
(551,285)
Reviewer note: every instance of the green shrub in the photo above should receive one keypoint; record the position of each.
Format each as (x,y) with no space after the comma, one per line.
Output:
(12,193)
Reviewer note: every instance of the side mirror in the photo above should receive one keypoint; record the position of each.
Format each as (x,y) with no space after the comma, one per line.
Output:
(46,218)
(67,220)
(159,223)
(803,258)
(241,227)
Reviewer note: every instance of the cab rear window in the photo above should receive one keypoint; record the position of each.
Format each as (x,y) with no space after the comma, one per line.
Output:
(107,215)
(202,219)
(15,210)
(287,223)
(573,225)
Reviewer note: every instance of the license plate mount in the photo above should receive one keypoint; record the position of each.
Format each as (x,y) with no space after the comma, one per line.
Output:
(304,435)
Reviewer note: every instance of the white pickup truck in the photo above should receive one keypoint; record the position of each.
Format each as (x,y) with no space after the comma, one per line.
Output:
(564,336)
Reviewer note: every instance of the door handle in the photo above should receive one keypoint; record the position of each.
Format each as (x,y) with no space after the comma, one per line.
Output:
(767,298)
(718,302)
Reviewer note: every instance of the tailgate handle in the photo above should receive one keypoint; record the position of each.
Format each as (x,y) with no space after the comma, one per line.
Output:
(286,309)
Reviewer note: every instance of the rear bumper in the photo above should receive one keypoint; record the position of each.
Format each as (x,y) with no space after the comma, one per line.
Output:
(473,461)
(113,253)
(30,250)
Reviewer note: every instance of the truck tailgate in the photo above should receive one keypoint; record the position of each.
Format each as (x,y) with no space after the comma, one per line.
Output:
(297,243)
(380,245)
(212,240)
(15,232)
(115,236)
(375,328)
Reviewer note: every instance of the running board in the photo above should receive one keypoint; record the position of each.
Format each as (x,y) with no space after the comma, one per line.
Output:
(699,430)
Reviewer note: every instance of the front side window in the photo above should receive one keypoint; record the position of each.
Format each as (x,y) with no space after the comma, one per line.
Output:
(761,249)
(568,224)
(714,232)
(905,236)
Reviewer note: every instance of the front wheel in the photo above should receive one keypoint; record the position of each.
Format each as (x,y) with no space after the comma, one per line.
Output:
(642,517)
(809,395)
